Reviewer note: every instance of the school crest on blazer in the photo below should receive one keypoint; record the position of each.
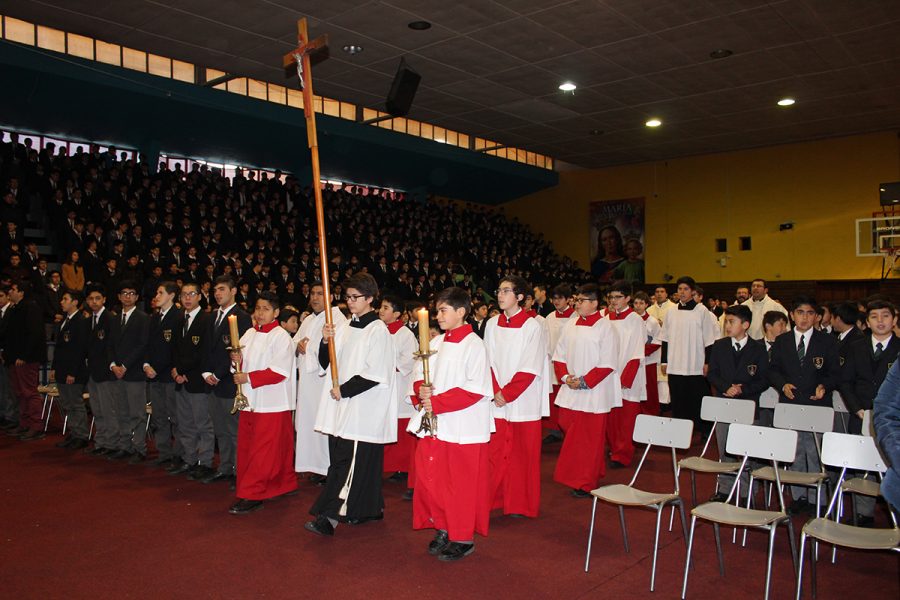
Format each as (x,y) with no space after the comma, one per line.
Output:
(100,333)
(842,361)
(67,337)
(195,339)
(818,362)
(226,339)
(751,369)
(167,335)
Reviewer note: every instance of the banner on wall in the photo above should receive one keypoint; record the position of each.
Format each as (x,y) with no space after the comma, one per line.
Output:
(617,240)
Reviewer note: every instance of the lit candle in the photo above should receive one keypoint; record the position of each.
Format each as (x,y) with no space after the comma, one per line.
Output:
(424,330)
(233,329)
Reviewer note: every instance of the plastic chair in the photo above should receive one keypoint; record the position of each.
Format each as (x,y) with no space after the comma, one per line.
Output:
(798,417)
(653,431)
(717,410)
(846,452)
(777,445)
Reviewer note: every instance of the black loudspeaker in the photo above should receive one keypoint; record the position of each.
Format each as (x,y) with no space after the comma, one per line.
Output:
(403,90)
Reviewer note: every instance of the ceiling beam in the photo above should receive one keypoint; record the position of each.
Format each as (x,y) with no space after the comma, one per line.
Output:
(222,79)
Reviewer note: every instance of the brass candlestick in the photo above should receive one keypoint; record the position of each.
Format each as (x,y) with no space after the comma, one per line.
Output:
(429,419)
(240,400)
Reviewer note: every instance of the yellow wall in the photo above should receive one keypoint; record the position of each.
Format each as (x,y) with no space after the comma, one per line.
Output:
(822,186)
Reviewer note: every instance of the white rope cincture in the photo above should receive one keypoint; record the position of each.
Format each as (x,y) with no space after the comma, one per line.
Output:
(345,491)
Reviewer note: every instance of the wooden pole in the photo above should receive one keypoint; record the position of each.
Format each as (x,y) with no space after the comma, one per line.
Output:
(302,54)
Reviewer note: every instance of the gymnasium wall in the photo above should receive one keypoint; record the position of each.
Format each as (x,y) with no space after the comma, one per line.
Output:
(822,186)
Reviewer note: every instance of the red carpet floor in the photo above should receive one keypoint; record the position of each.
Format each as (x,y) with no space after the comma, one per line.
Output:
(76,526)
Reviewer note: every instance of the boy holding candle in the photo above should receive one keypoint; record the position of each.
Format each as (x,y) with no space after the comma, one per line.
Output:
(452,482)
(265,430)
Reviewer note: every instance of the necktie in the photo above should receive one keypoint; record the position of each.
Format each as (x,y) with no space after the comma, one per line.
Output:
(123,319)
(94,324)
(801,349)
(187,320)
(879,348)
(218,318)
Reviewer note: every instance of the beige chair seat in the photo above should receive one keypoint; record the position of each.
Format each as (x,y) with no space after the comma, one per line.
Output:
(858,485)
(629,496)
(50,389)
(705,465)
(862,538)
(788,477)
(728,514)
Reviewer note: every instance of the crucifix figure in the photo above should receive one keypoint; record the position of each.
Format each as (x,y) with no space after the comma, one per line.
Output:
(301,57)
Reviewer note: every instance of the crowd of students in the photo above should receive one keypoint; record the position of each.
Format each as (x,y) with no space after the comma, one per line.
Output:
(510,365)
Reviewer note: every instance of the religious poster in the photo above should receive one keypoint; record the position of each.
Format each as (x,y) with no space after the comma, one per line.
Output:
(617,240)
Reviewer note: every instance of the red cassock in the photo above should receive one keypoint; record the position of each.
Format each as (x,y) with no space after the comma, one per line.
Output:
(265,455)
(399,456)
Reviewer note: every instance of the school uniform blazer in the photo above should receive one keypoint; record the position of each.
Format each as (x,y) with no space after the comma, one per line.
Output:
(218,358)
(749,368)
(862,374)
(820,365)
(128,345)
(162,336)
(98,352)
(70,352)
(190,351)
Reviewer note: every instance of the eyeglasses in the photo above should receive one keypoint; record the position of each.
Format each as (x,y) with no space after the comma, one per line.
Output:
(353,297)
(128,293)
(503,291)
(189,294)
(579,299)
(614,296)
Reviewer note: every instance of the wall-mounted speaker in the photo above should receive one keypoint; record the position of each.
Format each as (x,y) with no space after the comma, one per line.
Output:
(403,90)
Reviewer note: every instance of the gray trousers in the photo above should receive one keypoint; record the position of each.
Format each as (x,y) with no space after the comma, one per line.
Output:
(72,405)
(131,412)
(165,419)
(103,407)
(195,429)
(225,425)
(726,480)
(807,461)
(9,404)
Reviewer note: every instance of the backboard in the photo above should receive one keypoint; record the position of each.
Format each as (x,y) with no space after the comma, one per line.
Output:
(878,235)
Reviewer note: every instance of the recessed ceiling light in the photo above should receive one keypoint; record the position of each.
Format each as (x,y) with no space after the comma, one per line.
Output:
(653,123)
(567,86)
(786,102)
(596,132)
(721,53)
(352,49)
(419,25)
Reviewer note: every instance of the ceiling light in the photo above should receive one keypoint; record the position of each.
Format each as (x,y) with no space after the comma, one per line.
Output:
(352,49)
(653,123)
(567,86)
(720,53)
(419,25)
(596,132)
(786,102)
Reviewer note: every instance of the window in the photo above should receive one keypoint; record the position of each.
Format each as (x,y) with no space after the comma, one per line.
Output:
(256,89)
(80,46)
(348,111)
(159,66)
(331,108)
(19,31)
(235,86)
(110,54)
(51,39)
(134,59)
(182,71)
(295,98)
(277,94)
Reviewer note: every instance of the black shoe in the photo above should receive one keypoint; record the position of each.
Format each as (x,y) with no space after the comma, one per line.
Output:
(580,494)
(516,516)
(32,435)
(78,443)
(97,451)
(199,472)
(361,520)
(118,455)
(798,507)
(553,436)
(398,477)
(718,497)
(178,467)
(439,543)
(317,479)
(614,464)
(217,477)
(456,551)
(66,443)
(408,494)
(136,459)
(321,526)
(8,425)
(242,507)
(162,461)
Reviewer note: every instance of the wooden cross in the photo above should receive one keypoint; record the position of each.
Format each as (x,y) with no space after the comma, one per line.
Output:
(301,57)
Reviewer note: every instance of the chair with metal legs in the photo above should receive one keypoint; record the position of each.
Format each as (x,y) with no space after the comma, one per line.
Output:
(652,431)
(801,418)
(749,441)
(717,410)
(845,451)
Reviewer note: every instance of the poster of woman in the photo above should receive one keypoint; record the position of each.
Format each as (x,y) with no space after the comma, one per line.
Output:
(617,240)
